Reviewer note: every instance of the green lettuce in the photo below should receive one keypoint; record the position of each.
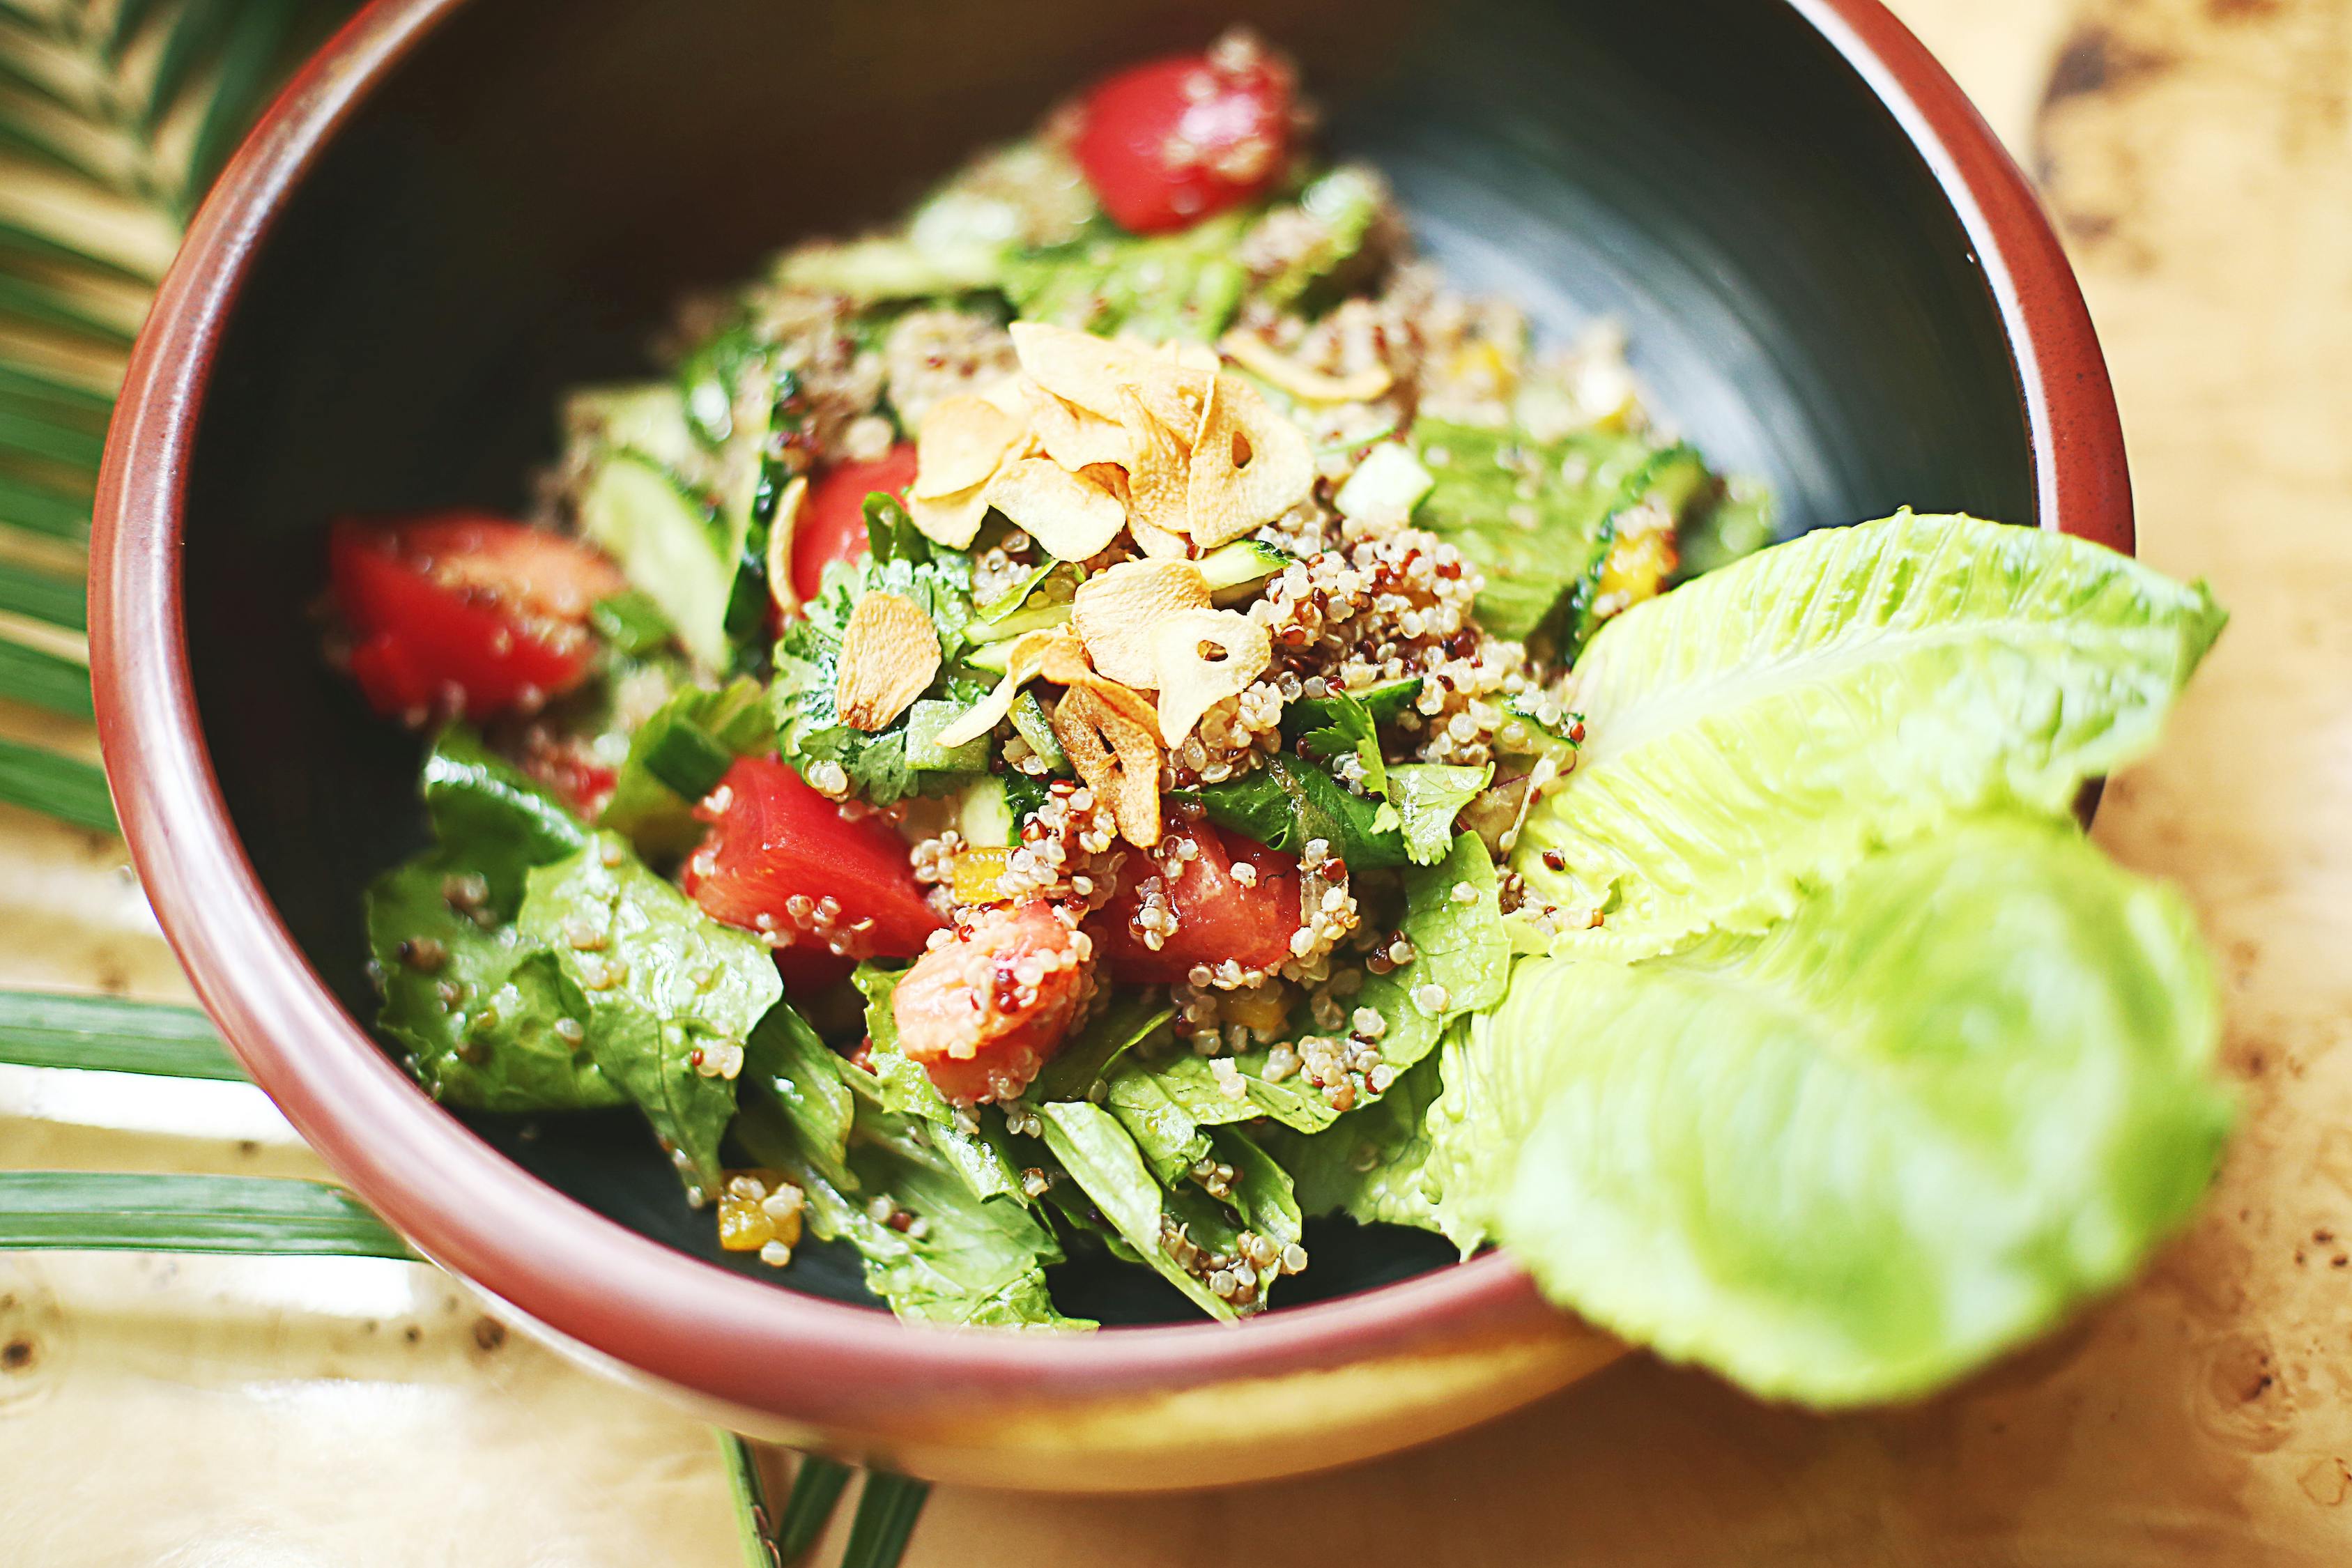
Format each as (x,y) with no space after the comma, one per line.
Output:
(1288,801)
(897,1083)
(483,1014)
(668,991)
(1755,733)
(1954,1092)
(1454,918)
(1538,518)
(1102,1155)
(1369,1164)
(1181,285)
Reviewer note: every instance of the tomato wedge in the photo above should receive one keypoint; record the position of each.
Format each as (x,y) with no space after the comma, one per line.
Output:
(782,861)
(463,612)
(832,524)
(984,1013)
(1218,915)
(1170,143)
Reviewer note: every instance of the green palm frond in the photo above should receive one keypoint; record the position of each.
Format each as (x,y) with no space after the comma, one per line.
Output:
(115,117)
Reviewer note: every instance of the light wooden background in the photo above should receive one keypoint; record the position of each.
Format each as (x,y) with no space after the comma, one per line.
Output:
(2199,155)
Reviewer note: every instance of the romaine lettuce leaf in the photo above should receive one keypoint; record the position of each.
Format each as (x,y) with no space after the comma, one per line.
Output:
(1100,1153)
(492,818)
(1755,733)
(1454,918)
(1954,1093)
(667,990)
(1536,518)
(1181,285)
(966,1261)
(1368,1164)
(807,1082)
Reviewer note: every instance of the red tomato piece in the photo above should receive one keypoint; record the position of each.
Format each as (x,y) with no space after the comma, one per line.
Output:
(783,861)
(985,1013)
(833,516)
(1218,915)
(461,611)
(1170,143)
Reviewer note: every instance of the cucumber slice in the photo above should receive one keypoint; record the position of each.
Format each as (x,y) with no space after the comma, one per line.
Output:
(1386,486)
(1386,699)
(1032,620)
(666,546)
(985,816)
(924,720)
(649,417)
(1029,719)
(1243,564)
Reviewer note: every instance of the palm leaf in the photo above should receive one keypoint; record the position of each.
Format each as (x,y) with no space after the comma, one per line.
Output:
(887,1507)
(106,1034)
(86,1211)
(123,111)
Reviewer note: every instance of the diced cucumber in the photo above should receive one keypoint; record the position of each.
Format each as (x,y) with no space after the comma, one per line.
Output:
(666,546)
(1038,619)
(687,757)
(1243,564)
(631,622)
(990,658)
(887,268)
(924,753)
(1030,721)
(649,417)
(985,816)
(1386,486)
(1524,733)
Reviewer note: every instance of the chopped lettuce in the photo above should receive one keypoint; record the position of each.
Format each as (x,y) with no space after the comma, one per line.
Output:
(1102,1156)
(1182,285)
(1538,518)
(785,1060)
(956,1260)
(808,657)
(897,1083)
(1368,1164)
(483,1012)
(1462,954)
(1335,215)
(657,818)
(1755,733)
(1961,1087)
(669,991)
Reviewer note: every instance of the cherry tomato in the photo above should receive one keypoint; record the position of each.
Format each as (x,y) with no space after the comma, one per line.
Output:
(782,861)
(833,517)
(1169,144)
(984,1013)
(1218,915)
(460,611)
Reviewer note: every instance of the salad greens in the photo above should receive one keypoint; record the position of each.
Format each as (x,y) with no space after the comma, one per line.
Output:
(1852,1157)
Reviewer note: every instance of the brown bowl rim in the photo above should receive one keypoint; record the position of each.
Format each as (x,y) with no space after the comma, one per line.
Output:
(735,1340)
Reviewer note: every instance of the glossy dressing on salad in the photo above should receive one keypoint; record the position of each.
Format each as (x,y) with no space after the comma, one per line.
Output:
(1124,715)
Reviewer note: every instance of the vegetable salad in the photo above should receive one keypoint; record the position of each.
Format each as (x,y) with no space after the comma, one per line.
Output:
(1123,714)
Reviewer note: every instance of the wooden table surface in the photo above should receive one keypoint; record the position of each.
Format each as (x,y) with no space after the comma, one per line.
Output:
(2199,155)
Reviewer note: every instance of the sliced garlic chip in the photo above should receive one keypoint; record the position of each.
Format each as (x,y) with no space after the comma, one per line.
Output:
(1252,352)
(1117,613)
(1073,518)
(1192,681)
(1031,656)
(781,529)
(963,441)
(950,520)
(889,653)
(1117,756)
(1091,372)
(1073,436)
(1249,467)
(1192,357)
(1158,477)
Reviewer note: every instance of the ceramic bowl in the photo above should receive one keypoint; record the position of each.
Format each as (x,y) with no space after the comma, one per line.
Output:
(1829,272)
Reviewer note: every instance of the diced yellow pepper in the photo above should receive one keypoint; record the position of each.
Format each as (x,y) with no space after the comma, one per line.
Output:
(743,1225)
(1638,566)
(979,875)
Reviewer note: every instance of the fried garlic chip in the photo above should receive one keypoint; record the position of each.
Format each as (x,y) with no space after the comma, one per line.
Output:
(786,523)
(950,520)
(889,655)
(1118,757)
(1072,517)
(964,440)
(1091,372)
(1254,354)
(1159,477)
(1075,437)
(1249,467)
(1119,613)
(1203,656)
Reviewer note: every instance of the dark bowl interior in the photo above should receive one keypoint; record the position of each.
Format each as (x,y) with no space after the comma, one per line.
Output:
(516,209)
